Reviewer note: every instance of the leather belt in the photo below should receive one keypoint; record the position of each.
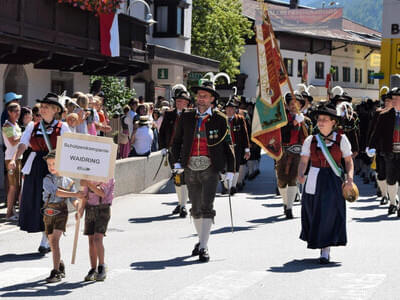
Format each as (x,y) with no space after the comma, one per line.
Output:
(199,163)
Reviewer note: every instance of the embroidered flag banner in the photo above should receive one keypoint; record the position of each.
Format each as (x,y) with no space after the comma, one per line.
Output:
(269,112)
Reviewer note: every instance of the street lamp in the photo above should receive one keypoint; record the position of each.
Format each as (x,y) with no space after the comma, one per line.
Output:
(149,17)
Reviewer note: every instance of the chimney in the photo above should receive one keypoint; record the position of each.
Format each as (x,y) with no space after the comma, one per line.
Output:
(294,4)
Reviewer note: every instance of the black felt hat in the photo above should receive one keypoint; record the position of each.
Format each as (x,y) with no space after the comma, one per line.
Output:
(207,86)
(298,97)
(182,95)
(325,109)
(51,98)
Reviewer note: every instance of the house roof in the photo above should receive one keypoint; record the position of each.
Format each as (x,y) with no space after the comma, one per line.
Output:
(350,31)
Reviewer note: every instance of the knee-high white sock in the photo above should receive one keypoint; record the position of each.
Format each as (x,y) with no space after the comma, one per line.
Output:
(291,193)
(181,192)
(197,226)
(235,179)
(325,252)
(252,166)
(383,187)
(44,242)
(205,233)
(283,192)
(242,173)
(392,192)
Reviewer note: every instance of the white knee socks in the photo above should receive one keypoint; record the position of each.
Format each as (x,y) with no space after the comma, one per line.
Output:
(235,179)
(44,242)
(383,187)
(182,193)
(283,192)
(205,233)
(291,193)
(392,191)
(242,173)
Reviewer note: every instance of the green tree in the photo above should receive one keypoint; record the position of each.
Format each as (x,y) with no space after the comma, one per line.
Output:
(116,93)
(219,31)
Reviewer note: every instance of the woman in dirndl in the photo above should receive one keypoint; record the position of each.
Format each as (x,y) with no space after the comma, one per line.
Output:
(323,212)
(30,217)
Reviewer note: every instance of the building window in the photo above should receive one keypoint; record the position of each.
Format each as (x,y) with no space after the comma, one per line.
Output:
(371,80)
(162,19)
(361,74)
(300,66)
(335,76)
(319,70)
(355,75)
(288,65)
(179,20)
(169,15)
(346,74)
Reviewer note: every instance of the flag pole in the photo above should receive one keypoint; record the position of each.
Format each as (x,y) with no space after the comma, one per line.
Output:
(265,8)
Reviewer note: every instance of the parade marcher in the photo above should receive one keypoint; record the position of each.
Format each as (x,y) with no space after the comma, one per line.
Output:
(323,212)
(293,136)
(97,207)
(243,169)
(386,104)
(202,148)
(307,97)
(349,123)
(57,190)
(11,137)
(386,138)
(42,137)
(166,137)
(240,140)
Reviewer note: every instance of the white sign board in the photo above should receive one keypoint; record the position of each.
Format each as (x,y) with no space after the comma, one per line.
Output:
(86,156)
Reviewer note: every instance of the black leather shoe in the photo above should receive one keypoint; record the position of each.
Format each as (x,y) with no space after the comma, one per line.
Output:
(233,191)
(55,276)
(224,190)
(203,255)
(177,210)
(398,213)
(392,209)
(289,214)
(324,261)
(195,250)
(298,197)
(384,200)
(284,208)
(183,212)
(44,250)
(61,268)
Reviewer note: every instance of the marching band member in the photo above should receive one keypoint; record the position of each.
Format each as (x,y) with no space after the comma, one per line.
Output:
(240,139)
(323,212)
(166,136)
(386,138)
(202,148)
(292,139)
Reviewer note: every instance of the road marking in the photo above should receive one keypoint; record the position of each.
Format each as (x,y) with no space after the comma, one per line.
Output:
(350,286)
(221,285)
(16,276)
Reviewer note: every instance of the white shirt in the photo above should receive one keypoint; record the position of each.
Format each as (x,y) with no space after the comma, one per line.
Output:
(132,114)
(10,149)
(208,111)
(345,145)
(143,140)
(26,135)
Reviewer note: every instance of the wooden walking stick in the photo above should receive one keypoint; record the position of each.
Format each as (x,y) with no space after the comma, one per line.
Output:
(77,225)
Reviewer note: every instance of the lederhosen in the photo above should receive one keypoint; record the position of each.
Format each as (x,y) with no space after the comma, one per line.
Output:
(96,217)
(30,217)
(286,167)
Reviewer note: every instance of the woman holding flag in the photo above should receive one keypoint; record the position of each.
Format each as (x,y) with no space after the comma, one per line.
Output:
(323,214)
(42,138)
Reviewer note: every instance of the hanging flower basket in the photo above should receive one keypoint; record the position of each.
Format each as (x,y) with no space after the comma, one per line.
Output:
(96,6)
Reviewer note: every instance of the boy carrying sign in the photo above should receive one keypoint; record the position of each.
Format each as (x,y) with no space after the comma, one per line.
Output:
(56,191)
(97,204)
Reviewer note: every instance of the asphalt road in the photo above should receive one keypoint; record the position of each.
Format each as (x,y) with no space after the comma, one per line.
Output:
(148,253)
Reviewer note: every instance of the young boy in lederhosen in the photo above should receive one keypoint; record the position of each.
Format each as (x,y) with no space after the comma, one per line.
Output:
(97,204)
(56,191)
